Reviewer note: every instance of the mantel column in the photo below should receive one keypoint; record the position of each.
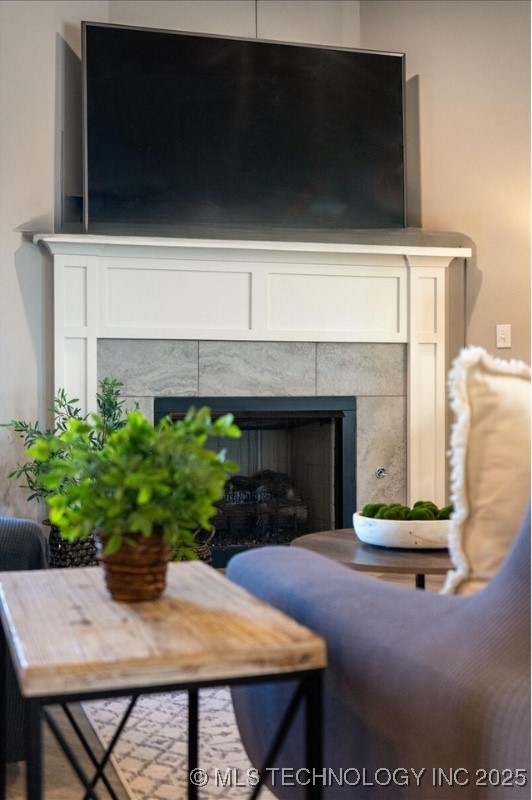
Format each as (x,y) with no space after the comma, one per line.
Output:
(426,379)
(76,303)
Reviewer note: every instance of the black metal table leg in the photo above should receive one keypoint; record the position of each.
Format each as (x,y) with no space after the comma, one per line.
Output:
(3,712)
(314,735)
(420,581)
(193,735)
(309,690)
(94,761)
(306,697)
(34,776)
(88,783)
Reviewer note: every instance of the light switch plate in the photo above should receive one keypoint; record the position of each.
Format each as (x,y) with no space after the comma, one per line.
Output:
(504,336)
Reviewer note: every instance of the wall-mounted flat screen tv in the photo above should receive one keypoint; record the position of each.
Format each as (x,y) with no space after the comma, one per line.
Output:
(187,130)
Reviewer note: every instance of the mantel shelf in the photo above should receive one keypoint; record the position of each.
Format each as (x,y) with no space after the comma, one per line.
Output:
(408,242)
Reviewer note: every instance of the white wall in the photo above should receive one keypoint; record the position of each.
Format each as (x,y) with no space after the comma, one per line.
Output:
(333,22)
(39,47)
(471,63)
(224,17)
(35,39)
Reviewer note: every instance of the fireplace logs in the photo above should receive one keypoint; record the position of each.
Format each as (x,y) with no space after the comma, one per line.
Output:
(262,509)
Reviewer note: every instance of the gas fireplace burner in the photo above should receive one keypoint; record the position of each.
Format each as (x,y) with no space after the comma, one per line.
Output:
(296,462)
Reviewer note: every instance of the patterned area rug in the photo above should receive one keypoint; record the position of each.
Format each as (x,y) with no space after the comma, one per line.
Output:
(151,754)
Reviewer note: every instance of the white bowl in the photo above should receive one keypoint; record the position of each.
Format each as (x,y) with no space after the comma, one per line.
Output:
(422,533)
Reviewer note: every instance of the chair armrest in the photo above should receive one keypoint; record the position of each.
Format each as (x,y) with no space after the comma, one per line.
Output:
(23,545)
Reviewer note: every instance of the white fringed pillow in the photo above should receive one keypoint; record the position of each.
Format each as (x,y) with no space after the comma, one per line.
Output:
(490,464)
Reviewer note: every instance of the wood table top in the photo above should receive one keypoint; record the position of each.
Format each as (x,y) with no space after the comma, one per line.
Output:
(66,635)
(344,546)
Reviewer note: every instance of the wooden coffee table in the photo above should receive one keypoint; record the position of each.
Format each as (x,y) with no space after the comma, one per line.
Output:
(70,642)
(345,547)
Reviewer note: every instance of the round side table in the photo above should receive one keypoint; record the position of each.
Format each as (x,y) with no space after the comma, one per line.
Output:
(345,547)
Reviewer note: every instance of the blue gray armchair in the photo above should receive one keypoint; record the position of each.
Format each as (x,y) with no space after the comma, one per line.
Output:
(415,681)
(23,546)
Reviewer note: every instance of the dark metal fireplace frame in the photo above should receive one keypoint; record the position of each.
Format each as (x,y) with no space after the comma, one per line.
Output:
(339,408)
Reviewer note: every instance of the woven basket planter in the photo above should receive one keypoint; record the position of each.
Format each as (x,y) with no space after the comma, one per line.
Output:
(202,541)
(137,571)
(81,553)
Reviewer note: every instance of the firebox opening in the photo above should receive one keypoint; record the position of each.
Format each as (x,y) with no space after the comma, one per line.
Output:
(297,468)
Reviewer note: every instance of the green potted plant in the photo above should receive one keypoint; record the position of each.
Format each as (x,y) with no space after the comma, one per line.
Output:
(32,471)
(145,491)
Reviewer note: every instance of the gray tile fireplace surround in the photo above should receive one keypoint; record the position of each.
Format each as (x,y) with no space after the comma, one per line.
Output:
(374,373)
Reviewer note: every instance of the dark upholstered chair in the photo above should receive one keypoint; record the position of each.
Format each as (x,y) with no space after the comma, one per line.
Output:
(23,545)
(415,679)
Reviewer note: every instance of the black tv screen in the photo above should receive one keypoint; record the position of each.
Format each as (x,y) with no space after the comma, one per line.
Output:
(196,130)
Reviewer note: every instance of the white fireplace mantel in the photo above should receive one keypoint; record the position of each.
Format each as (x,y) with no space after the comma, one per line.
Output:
(381,287)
